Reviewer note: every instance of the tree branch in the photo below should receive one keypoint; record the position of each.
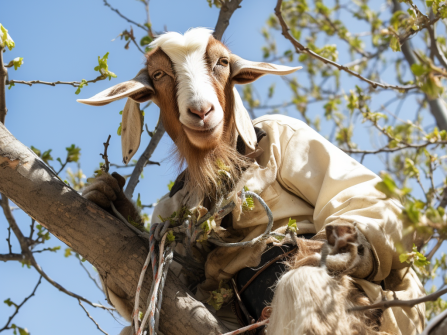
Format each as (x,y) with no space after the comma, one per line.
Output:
(107,243)
(299,48)
(89,316)
(435,47)
(144,158)
(19,306)
(11,257)
(54,83)
(400,303)
(437,107)
(124,17)
(226,11)
(3,74)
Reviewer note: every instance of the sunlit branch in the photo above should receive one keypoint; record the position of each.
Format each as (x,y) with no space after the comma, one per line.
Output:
(400,303)
(54,83)
(299,48)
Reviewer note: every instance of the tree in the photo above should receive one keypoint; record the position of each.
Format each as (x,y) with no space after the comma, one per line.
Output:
(369,67)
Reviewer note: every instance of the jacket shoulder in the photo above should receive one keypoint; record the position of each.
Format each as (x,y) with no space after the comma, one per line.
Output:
(279,121)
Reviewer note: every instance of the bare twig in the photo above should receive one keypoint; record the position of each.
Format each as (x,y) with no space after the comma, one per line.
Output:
(28,256)
(400,303)
(13,224)
(3,74)
(72,83)
(435,248)
(134,178)
(299,48)
(19,306)
(226,11)
(8,239)
(89,274)
(61,288)
(105,166)
(124,17)
(89,316)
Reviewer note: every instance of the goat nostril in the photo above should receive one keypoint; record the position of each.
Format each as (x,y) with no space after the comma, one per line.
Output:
(210,110)
(201,113)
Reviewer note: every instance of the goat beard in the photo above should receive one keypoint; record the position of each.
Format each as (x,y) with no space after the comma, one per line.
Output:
(211,173)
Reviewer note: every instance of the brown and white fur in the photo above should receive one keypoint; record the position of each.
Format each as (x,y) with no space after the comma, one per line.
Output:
(314,296)
(191,77)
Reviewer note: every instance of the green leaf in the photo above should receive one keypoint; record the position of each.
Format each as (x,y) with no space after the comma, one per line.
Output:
(46,156)
(292,225)
(419,69)
(394,43)
(145,40)
(68,252)
(5,39)
(170,185)
(103,67)
(9,302)
(81,85)
(73,153)
(220,296)
(120,129)
(170,237)
(138,203)
(11,84)
(17,62)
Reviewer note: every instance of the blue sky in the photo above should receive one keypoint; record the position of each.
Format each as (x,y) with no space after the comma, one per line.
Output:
(61,40)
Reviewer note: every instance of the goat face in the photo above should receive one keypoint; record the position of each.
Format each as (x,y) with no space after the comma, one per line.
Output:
(190,75)
(191,78)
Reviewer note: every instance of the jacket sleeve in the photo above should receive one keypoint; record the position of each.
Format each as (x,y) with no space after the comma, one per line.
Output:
(341,190)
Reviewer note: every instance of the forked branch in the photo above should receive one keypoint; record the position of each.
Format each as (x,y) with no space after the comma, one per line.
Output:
(299,48)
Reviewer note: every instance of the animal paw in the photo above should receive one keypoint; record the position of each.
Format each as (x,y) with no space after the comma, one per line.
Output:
(349,250)
(106,189)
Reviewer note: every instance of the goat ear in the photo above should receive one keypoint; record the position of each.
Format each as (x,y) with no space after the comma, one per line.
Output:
(139,89)
(244,125)
(244,71)
(131,129)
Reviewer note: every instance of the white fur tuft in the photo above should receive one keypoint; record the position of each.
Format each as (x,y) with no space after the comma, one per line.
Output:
(308,300)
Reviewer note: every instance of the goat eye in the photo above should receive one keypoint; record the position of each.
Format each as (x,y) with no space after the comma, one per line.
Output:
(158,74)
(223,61)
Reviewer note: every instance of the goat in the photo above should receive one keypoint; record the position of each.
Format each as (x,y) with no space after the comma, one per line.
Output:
(191,77)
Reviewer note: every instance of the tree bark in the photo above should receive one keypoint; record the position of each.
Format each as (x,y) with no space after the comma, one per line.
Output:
(107,243)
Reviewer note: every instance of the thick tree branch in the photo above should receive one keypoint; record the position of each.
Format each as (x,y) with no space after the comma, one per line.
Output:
(109,245)
(299,48)
(226,11)
(435,47)
(144,158)
(11,257)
